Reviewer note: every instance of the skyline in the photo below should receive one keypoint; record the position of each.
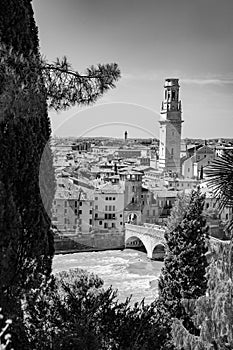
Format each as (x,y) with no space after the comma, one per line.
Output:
(151,41)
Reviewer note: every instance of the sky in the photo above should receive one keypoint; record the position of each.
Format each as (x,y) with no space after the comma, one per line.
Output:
(151,40)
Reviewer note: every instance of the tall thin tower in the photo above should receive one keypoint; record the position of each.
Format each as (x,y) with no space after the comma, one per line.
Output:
(170,128)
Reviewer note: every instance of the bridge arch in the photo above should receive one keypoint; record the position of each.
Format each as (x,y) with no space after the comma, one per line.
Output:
(150,236)
(158,252)
(135,242)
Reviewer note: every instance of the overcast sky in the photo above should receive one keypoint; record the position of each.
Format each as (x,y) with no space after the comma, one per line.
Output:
(150,40)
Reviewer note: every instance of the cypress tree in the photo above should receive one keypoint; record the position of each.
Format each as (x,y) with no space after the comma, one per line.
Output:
(183,276)
(213,311)
(27,185)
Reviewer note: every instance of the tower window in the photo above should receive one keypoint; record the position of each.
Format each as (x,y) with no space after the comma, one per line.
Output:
(173,95)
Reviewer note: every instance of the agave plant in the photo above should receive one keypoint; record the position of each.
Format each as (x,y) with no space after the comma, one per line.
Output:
(220,180)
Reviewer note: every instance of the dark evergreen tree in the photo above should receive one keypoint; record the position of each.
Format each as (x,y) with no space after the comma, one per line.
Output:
(73,311)
(213,311)
(27,185)
(182,279)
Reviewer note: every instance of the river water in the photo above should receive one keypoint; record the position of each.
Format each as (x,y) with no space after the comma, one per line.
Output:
(129,271)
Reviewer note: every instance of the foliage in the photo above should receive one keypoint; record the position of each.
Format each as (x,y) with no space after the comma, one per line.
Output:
(27,181)
(220,179)
(178,211)
(73,311)
(183,277)
(5,336)
(214,315)
(66,87)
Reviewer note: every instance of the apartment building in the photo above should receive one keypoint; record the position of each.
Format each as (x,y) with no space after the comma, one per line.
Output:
(109,207)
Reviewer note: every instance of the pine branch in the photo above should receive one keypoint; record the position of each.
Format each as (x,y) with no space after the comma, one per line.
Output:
(66,87)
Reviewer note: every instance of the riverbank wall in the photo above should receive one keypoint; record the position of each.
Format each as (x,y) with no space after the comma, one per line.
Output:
(89,242)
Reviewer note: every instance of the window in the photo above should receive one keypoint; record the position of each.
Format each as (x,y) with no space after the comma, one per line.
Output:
(65,211)
(132,188)
(153,212)
(226,216)
(113,225)
(96,198)
(106,208)
(75,204)
(106,198)
(113,198)
(80,212)
(54,218)
(90,212)
(90,221)
(188,170)
(121,223)
(96,216)
(65,203)
(54,202)
(105,225)
(110,208)
(110,198)
(207,205)
(120,215)
(113,208)
(75,211)
(133,200)
(173,95)
(100,222)
(80,204)
(96,207)
(148,212)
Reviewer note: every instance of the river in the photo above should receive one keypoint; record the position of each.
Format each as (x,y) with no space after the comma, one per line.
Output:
(129,271)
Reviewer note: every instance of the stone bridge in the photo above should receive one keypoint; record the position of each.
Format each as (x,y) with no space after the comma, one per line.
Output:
(149,235)
(152,238)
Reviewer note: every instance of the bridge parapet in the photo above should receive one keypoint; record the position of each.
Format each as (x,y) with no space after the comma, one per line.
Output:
(154,231)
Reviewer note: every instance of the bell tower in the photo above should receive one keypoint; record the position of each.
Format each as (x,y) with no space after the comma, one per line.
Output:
(170,128)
